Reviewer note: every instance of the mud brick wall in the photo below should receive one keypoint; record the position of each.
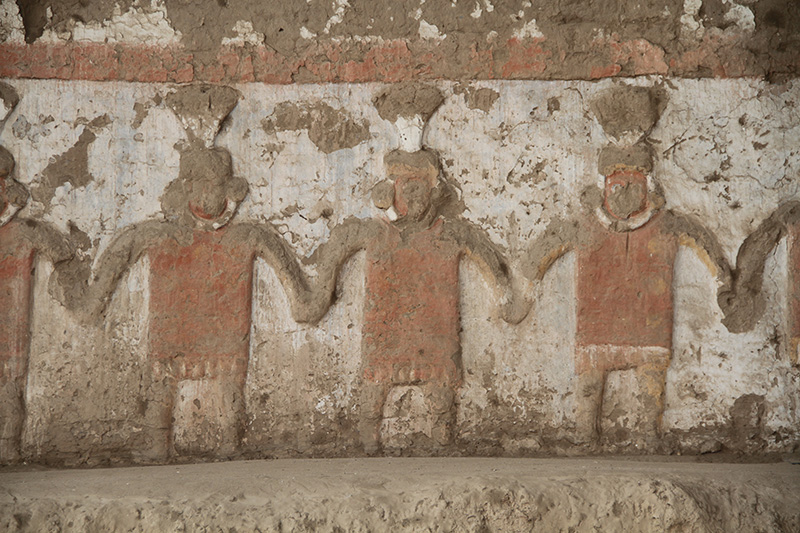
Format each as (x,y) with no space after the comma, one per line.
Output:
(235,229)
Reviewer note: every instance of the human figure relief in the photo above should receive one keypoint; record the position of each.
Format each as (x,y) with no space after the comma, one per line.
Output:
(626,245)
(411,314)
(201,273)
(21,242)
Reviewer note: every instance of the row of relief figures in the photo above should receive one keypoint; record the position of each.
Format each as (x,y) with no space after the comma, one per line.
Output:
(625,242)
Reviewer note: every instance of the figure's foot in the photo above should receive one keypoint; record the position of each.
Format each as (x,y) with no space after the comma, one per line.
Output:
(586,439)
(372,449)
(442,435)
(156,449)
(9,451)
(371,444)
(370,437)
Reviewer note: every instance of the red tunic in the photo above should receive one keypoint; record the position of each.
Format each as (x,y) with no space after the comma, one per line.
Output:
(411,313)
(625,286)
(16,283)
(200,302)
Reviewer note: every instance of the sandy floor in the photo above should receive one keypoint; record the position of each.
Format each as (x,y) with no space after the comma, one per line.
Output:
(477,494)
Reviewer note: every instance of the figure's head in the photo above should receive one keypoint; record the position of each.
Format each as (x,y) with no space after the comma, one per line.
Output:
(415,176)
(625,194)
(206,193)
(206,174)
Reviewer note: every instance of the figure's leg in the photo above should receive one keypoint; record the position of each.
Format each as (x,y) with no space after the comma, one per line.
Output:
(373,396)
(588,405)
(12,415)
(239,409)
(207,416)
(652,379)
(157,405)
(441,402)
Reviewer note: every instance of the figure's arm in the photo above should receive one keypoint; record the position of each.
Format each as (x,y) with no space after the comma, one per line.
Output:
(478,246)
(347,238)
(558,238)
(741,299)
(58,248)
(694,234)
(88,294)
(47,240)
(270,246)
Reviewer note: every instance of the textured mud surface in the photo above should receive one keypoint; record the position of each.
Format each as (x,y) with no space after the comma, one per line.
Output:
(408,495)
(362,40)
(328,128)
(70,167)
(514,158)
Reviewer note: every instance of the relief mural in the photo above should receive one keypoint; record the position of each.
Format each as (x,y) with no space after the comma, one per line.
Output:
(411,316)
(21,240)
(626,244)
(201,268)
(624,237)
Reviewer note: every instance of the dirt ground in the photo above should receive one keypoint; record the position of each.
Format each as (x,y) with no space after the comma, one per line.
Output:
(409,494)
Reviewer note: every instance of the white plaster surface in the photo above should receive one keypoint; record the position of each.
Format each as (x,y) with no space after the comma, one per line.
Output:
(245,34)
(11,28)
(145,23)
(517,167)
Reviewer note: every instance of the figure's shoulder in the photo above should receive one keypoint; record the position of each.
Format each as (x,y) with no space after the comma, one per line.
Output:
(247,230)
(464,236)
(15,235)
(147,234)
(456,230)
(679,225)
(362,230)
(11,227)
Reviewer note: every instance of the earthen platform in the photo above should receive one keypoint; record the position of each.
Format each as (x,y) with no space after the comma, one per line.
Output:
(409,494)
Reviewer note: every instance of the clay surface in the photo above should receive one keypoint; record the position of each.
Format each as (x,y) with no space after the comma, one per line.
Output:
(409,495)
(201,280)
(478,98)
(70,167)
(244,229)
(504,177)
(411,314)
(202,108)
(626,249)
(328,128)
(22,243)
(627,109)
(638,156)
(742,300)
(408,100)
(245,40)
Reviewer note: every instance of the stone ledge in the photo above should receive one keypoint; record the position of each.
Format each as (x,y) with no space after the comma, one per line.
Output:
(431,494)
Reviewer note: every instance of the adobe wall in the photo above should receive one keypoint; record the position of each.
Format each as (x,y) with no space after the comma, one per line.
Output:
(604,259)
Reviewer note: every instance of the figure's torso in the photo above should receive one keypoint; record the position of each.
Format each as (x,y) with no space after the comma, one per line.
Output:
(625,286)
(200,301)
(16,283)
(411,314)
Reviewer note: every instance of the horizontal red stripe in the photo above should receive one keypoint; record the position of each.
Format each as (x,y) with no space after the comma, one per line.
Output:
(389,61)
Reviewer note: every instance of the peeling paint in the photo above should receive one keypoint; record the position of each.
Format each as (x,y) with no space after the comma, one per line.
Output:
(147,24)
(510,170)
